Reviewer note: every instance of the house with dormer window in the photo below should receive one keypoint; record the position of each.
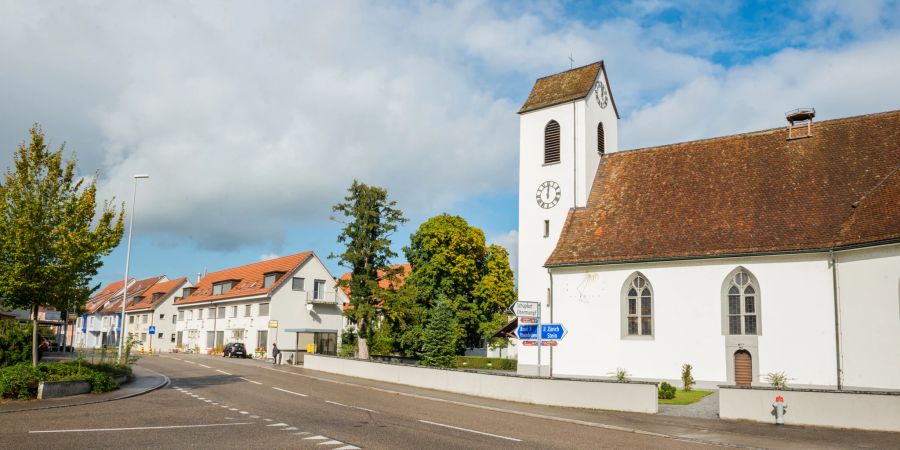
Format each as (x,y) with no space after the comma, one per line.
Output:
(155,308)
(292,300)
(101,324)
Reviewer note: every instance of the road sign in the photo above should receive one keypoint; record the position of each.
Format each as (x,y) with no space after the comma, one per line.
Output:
(273,324)
(151,330)
(552,331)
(527,332)
(527,320)
(527,309)
(535,343)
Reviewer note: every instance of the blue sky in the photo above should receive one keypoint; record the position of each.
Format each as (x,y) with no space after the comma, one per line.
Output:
(252,119)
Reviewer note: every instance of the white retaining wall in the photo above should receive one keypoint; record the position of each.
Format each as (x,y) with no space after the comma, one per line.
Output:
(593,394)
(827,408)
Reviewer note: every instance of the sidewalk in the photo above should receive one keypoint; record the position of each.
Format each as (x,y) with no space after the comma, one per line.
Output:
(145,380)
(714,431)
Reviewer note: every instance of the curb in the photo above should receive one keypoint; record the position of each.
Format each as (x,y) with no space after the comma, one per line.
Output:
(165,383)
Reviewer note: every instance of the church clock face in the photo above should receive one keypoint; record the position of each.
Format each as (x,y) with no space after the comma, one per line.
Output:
(601,94)
(548,194)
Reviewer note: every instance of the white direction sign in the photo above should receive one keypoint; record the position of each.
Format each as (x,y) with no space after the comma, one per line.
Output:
(527,309)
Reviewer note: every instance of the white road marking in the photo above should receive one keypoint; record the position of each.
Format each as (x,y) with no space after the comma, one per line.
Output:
(244,412)
(89,430)
(254,417)
(189,362)
(279,424)
(200,398)
(289,392)
(254,382)
(224,406)
(195,395)
(332,442)
(290,429)
(351,406)
(208,401)
(302,433)
(348,447)
(204,365)
(214,403)
(315,438)
(471,431)
(268,420)
(222,371)
(232,409)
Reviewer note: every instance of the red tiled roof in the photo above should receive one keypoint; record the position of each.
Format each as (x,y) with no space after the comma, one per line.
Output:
(98,299)
(748,193)
(164,289)
(396,282)
(248,279)
(135,289)
(565,87)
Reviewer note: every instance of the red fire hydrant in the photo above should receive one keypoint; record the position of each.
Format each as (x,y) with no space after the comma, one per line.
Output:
(779,409)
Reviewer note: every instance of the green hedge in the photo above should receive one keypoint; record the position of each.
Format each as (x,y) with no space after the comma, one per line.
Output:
(21,380)
(15,343)
(480,362)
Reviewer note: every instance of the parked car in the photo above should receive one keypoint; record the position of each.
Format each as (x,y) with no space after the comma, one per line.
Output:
(235,350)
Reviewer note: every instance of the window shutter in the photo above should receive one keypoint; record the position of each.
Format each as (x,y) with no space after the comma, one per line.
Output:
(551,142)
(601,140)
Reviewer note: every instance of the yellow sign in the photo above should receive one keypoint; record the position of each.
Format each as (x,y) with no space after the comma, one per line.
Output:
(310,348)
(273,324)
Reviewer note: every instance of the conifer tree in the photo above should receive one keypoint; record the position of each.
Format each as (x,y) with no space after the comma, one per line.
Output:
(440,336)
(52,235)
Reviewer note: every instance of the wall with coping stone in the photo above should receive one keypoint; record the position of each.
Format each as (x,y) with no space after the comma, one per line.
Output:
(574,393)
(865,410)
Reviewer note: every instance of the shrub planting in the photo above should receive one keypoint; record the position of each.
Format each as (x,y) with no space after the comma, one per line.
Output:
(21,380)
(480,362)
(666,391)
(687,379)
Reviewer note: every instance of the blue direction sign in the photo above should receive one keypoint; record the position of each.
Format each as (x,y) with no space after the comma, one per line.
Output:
(527,332)
(152,330)
(552,331)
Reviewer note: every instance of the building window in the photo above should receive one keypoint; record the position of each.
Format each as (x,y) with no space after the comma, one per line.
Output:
(601,140)
(247,310)
(180,315)
(173,318)
(130,319)
(297,284)
(262,338)
(233,311)
(741,303)
(551,142)
(143,337)
(190,314)
(173,338)
(156,296)
(546,228)
(222,288)
(221,312)
(162,316)
(263,309)
(211,313)
(144,318)
(318,289)
(269,280)
(638,306)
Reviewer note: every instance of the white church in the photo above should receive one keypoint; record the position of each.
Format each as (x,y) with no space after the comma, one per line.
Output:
(743,255)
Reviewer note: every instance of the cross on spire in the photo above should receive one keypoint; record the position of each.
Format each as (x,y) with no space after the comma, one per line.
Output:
(571,61)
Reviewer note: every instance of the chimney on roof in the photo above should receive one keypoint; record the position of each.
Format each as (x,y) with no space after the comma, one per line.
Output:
(797,118)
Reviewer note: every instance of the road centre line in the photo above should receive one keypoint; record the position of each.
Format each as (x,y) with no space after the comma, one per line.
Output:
(289,392)
(85,430)
(204,365)
(351,406)
(254,382)
(222,371)
(471,431)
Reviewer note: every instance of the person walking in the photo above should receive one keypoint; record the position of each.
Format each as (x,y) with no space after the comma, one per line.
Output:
(276,354)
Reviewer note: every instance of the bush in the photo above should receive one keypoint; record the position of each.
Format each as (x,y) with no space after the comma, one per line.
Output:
(622,375)
(15,343)
(687,379)
(19,381)
(666,391)
(480,362)
(777,379)
(102,382)
(347,350)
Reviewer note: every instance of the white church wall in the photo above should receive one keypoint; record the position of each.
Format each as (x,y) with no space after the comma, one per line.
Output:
(797,321)
(869,288)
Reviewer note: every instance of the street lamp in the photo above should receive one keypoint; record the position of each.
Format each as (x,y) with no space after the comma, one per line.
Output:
(127,260)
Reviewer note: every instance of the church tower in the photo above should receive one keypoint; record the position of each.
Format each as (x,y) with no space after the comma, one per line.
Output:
(566,125)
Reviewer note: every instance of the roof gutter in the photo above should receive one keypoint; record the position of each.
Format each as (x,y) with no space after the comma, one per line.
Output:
(837,322)
(726,255)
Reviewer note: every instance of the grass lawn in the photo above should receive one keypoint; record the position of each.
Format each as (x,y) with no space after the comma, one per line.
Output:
(685,398)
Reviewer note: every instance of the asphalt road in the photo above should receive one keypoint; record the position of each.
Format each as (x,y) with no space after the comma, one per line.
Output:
(222,403)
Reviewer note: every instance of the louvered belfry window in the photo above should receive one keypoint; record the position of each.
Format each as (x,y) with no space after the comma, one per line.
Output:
(601,140)
(551,142)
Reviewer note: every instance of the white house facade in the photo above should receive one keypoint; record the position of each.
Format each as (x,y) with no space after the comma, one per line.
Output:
(155,308)
(292,301)
(744,255)
(101,324)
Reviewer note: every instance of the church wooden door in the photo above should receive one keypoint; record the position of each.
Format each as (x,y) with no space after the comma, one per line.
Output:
(743,368)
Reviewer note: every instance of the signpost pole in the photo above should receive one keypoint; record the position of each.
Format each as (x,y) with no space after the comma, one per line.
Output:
(539,348)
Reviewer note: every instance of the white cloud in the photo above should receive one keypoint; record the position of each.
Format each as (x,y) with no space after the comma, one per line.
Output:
(268,256)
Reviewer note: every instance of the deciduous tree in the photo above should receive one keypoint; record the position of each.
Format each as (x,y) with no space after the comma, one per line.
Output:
(52,234)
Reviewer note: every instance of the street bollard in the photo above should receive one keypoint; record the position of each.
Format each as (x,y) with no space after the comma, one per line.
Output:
(779,409)
(151,351)
(142,350)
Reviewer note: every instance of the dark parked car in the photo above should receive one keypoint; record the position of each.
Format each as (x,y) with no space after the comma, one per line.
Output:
(235,350)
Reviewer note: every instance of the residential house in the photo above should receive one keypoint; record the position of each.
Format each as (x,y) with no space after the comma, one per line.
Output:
(101,323)
(155,308)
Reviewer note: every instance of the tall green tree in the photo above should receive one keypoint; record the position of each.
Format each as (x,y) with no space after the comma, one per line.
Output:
(52,234)
(370,221)
(440,339)
(449,259)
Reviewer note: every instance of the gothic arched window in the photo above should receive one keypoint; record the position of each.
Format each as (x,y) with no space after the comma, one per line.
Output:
(601,140)
(637,306)
(551,142)
(741,303)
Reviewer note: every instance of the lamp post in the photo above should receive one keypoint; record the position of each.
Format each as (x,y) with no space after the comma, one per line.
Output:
(128,260)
